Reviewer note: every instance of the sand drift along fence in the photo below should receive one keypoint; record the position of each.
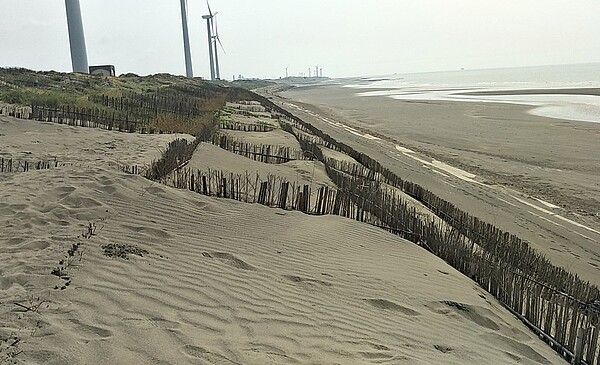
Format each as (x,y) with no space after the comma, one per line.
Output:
(556,304)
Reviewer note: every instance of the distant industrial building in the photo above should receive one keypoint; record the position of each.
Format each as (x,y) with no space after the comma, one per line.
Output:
(103,70)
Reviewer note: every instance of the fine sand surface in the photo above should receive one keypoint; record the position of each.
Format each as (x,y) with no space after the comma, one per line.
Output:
(225,282)
(208,156)
(41,141)
(536,177)
(275,137)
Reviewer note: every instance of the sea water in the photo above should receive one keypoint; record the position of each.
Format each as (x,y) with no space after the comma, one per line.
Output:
(452,85)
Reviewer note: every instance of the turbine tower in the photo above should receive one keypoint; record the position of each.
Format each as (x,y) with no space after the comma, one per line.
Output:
(76,37)
(210,42)
(215,48)
(213,56)
(186,40)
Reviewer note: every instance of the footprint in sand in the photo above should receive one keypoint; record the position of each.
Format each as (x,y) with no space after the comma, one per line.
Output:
(147,323)
(443,348)
(386,304)
(88,329)
(375,355)
(521,349)
(149,231)
(303,280)
(209,357)
(78,202)
(230,260)
(480,316)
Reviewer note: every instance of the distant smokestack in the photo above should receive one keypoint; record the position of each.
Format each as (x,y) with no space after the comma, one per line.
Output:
(76,37)
(186,40)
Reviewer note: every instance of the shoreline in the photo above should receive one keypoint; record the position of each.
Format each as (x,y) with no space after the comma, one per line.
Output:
(559,91)
(575,104)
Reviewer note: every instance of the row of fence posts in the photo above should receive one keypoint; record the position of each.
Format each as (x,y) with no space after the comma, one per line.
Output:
(247,127)
(9,165)
(261,153)
(269,190)
(85,117)
(161,101)
(21,112)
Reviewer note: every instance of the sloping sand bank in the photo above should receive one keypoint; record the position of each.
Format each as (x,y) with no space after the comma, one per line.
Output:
(231,283)
(224,282)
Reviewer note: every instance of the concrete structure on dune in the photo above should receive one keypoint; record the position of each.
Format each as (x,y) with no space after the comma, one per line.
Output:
(103,70)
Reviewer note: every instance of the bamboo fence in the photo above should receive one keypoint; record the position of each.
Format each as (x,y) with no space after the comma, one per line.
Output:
(21,112)
(247,127)
(262,153)
(9,165)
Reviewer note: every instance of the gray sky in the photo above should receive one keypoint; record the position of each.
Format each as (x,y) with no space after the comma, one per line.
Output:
(345,37)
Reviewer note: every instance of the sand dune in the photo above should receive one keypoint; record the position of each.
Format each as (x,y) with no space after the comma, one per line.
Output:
(340,156)
(34,141)
(225,282)
(208,156)
(276,137)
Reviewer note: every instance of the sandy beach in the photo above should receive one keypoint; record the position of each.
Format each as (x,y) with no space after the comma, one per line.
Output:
(219,281)
(533,176)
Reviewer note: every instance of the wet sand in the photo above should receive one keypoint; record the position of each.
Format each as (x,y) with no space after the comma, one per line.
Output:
(581,91)
(536,177)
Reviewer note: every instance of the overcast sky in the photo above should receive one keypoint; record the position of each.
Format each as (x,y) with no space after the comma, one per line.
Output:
(344,37)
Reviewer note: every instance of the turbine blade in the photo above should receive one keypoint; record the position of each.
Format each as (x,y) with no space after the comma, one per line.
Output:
(209,12)
(216,27)
(221,44)
(212,25)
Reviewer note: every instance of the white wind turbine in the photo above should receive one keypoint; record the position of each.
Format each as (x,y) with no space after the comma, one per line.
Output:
(215,49)
(213,38)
